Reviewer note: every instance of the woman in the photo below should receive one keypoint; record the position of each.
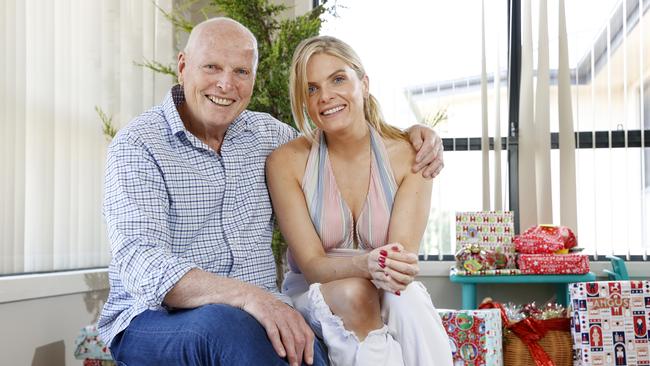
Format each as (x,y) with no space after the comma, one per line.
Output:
(353,215)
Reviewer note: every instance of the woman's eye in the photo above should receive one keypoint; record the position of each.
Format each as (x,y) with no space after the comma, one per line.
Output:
(311,89)
(339,79)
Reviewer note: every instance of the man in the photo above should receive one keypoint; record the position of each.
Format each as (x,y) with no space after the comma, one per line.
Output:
(190,221)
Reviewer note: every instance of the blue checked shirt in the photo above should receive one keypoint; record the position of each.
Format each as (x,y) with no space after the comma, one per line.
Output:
(172,204)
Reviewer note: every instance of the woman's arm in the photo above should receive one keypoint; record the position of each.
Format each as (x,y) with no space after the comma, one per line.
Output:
(284,170)
(410,212)
(409,216)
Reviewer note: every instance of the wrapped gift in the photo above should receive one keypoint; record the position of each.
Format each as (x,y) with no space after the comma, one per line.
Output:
(484,241)
(486,272)
(93,362)
(473,258)
(610,322)
(89,346)
(534,336)
(491,230)
(553,263)
(545,239)
(474,335)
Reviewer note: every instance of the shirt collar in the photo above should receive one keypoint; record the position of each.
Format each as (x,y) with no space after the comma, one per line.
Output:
(175,97)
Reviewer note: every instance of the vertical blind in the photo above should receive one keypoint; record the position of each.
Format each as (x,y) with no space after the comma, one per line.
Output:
(609,107)
(61,59)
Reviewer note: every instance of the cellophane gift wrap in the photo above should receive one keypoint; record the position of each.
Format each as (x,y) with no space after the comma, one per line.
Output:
(534,335)
(610,323)
(484,241)
(553,263)
(475,336)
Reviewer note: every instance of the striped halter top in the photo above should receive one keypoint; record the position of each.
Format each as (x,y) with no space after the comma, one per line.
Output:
(330,214)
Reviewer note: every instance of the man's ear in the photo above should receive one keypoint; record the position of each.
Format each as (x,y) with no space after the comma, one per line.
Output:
(181,66)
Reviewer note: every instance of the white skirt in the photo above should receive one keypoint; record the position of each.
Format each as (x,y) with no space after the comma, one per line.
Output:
(413,333)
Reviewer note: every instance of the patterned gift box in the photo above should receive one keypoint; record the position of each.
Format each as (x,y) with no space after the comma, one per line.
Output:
(486,272)
(89,346)
(545,239)
(610,323)
(489,229)
(474,335)
(93,362)
(553,263)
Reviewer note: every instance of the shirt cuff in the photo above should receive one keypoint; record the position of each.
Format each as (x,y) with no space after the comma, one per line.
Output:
(174,271)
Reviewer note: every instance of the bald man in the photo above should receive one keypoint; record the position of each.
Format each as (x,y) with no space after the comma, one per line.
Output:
(192,274)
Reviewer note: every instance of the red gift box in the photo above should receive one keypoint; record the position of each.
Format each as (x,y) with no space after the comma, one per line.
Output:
(545,239)
(475,336)
(553,263)
(96,362)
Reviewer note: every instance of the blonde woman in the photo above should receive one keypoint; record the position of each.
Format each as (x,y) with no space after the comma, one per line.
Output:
(353,215)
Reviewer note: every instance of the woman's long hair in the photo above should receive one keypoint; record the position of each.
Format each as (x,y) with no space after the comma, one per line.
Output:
(298,88)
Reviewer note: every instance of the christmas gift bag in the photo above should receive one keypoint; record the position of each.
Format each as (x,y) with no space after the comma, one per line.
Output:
(610,323)
(474,335)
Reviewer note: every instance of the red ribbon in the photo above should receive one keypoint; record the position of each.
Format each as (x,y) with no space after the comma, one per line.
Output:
(531,330)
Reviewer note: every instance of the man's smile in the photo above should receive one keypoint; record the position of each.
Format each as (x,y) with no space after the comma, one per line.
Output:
(220,101)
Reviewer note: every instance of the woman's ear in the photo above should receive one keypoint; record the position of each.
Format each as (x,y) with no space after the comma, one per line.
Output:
(366,86)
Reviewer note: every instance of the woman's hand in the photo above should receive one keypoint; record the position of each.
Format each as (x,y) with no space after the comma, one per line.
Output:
(392,268)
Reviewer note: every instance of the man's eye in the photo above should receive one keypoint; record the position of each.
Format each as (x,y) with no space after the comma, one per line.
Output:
(243,72)
(311,89)
(210,68)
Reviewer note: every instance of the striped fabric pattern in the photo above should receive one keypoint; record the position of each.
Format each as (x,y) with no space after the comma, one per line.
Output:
(329,212)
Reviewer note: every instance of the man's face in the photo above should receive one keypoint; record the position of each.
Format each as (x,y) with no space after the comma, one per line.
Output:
(218,78)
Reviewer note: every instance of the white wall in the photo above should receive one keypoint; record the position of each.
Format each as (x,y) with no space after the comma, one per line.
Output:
(41,331)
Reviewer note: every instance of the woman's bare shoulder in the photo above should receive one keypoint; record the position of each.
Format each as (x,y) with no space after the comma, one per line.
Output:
(402,157)
(291,155)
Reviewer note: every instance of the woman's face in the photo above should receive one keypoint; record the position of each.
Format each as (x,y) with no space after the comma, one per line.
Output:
(335,93)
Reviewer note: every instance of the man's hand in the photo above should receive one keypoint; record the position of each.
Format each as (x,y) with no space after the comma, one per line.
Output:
(429,147)
(289,333)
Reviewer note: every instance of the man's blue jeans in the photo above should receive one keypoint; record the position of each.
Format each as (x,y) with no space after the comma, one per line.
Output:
(208,336)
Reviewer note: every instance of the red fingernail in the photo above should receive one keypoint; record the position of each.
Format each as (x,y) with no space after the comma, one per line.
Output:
(382,265)
(386,273)
(395,248)
(381,259)
(397,293)
(383,253)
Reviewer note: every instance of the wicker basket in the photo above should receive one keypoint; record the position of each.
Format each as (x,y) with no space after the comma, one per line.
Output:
(557,344)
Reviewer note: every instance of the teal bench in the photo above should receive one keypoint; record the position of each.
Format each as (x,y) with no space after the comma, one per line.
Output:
(619,270)
(561,282)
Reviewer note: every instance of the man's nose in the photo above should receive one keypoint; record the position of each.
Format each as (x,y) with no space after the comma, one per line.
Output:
(224,81)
